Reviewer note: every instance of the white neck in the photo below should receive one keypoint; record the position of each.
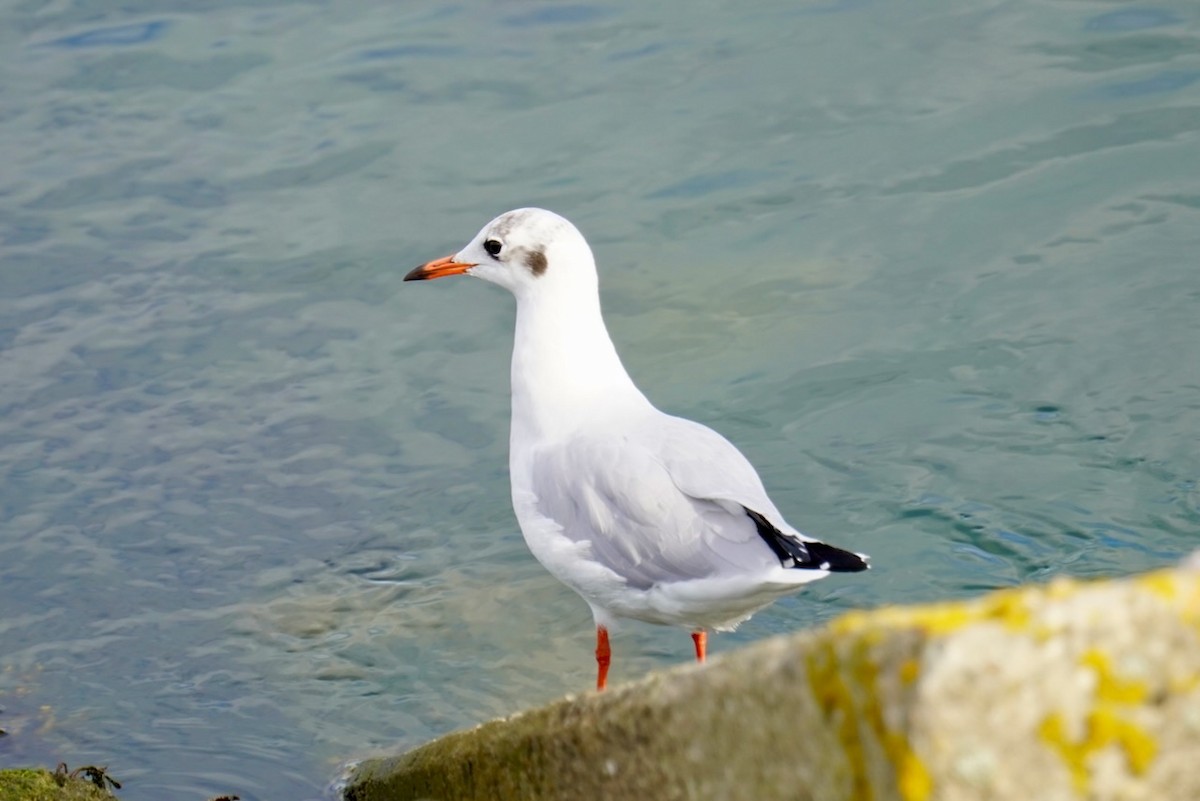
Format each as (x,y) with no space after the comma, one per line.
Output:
(565,370)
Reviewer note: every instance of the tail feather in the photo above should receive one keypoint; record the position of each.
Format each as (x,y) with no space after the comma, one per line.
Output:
(793,552)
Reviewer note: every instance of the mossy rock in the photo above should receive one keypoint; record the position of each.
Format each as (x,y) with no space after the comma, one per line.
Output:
(39,784)
(1065,692)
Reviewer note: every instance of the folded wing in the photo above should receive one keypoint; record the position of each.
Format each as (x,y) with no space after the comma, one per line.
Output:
(666,501)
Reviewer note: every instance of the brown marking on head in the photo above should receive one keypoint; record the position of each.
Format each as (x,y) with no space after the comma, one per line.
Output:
(507,222)
(535,260)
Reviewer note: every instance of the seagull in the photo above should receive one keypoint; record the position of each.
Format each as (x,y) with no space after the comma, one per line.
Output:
(647,516)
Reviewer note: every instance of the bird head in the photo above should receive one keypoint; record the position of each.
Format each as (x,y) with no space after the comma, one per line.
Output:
(526,251)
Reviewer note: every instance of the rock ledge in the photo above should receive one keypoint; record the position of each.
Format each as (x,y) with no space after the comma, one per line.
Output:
(1069,690)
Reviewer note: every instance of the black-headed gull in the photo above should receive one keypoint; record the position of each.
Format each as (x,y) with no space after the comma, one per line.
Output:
(645,515)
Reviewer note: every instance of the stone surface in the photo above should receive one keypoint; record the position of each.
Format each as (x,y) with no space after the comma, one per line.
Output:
(1063,691)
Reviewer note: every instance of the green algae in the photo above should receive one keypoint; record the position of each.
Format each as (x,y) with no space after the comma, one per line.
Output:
(39,784)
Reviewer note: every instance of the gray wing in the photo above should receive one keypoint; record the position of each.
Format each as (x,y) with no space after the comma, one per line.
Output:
(662,502)
(703,464)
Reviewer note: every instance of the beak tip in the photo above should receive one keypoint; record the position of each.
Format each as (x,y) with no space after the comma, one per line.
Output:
(437,269)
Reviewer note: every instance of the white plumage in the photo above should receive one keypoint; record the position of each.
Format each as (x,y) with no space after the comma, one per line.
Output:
(645,515)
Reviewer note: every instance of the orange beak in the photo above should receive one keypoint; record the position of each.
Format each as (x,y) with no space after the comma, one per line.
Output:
(439,268)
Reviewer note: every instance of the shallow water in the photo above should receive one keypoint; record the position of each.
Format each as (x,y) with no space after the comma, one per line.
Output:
(933,268)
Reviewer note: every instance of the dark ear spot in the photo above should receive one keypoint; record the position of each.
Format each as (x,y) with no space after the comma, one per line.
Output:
(536,262)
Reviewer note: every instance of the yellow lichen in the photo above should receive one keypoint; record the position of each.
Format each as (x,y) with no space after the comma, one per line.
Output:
(1008,607)
(1139,746)
(1189,605)
(837,703)
(1104,726)
(1054,733)
(1109,686)
(1161,583)
(845,681)
(912,777)
(844,677)
(1181,590)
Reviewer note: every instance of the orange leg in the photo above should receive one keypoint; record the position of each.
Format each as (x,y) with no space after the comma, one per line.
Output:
(701,639)
(603,657)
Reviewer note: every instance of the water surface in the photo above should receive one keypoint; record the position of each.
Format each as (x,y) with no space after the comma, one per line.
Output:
(933,268)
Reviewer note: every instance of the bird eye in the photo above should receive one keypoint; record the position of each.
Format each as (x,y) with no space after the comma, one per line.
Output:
(492,246)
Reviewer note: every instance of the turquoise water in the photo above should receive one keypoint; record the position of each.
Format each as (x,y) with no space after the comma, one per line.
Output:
(932,266)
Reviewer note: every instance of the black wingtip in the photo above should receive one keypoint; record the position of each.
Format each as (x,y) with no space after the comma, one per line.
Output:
(798,554)
(835,560)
